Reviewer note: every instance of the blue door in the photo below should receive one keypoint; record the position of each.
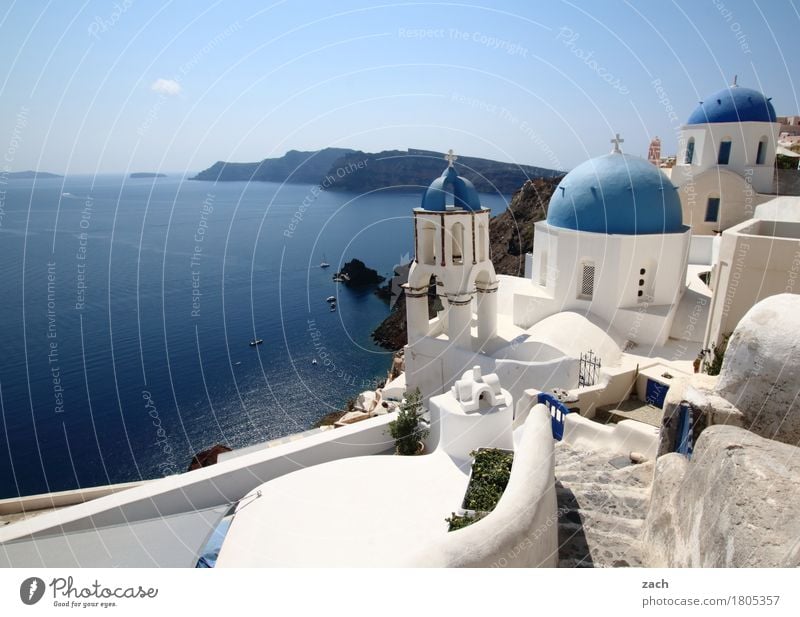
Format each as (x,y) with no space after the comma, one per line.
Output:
(656,392)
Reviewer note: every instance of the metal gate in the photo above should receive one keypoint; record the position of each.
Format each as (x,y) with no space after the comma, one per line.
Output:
(589,369)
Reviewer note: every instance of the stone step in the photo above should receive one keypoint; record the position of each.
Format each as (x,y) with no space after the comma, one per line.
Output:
(624,502)
(601,508)
(634,475)
(597,524)
(606,551)
(574,563)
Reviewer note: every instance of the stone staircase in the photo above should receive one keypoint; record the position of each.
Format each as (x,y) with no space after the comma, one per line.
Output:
(601,508)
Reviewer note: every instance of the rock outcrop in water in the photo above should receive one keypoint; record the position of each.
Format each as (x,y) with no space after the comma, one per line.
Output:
(138,175)
(207,457)
(355,273)
(29,175)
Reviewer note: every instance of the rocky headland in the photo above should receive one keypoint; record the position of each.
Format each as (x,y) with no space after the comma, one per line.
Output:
(342,169)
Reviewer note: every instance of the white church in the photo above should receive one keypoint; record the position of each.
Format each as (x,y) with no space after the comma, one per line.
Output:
(627,263)
(585,370)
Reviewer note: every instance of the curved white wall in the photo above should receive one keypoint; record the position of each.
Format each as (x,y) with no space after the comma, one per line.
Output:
(522,531)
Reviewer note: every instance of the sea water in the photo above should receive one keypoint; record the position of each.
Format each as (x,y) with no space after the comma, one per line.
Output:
(128,307)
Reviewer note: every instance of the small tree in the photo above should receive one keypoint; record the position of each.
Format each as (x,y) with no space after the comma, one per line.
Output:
(718,352)
(406,429)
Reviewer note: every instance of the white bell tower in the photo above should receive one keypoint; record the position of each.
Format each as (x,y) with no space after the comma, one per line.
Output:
(451,243)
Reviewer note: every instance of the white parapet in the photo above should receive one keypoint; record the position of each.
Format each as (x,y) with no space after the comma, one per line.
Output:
(623,438)
(522,531)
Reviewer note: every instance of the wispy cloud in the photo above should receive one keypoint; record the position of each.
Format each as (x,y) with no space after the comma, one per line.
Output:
(166,86)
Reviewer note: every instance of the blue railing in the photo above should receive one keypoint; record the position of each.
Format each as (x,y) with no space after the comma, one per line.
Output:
(557,413)
(684,438)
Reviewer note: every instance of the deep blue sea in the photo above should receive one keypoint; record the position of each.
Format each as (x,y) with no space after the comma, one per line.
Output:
(127,308)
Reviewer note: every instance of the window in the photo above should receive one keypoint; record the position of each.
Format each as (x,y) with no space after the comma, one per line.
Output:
(689,151)
(543,269)
(457,243)
(724,152)
(587,281)
(712,210)
(761,155)
(640,295)
(426,242)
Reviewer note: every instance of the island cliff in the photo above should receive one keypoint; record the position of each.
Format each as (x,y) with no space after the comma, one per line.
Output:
(295,167)
(349,170)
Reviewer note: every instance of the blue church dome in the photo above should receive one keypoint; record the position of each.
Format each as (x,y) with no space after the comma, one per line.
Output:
(734,104)
(462,190)
(616,194)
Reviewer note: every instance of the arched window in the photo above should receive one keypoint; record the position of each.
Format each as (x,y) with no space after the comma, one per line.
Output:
(457,243)
(427,243)
(724,152)
(543,269)
(689,151)
(482,242)
(761,154)
(712,209)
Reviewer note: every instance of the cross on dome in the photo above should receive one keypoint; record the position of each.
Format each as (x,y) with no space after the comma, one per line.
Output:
(450,157)
(617,141)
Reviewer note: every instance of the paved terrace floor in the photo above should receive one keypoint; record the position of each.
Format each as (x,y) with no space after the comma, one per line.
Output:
(365,511)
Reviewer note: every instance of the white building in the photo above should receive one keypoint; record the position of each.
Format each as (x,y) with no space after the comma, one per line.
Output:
(726,159)
(613,245)
(615,271)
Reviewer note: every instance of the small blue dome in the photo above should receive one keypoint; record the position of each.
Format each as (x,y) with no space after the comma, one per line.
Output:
(450,183)
(734,104)
(616,194)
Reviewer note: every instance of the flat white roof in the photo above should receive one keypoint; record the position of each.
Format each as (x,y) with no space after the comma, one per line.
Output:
(363,511)
(170,542)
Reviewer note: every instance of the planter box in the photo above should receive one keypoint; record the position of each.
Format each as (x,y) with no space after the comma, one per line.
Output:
(462,509)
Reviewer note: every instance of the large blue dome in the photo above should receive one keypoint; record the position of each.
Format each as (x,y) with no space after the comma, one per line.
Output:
(450,183)
(616,194)
(734,104)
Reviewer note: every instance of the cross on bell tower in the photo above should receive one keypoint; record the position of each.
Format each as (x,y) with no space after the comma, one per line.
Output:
(450,157)
(617,141)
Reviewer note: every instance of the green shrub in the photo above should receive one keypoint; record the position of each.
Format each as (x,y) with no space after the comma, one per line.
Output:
(491,470)
(715,366)
(459,522)
(406,429)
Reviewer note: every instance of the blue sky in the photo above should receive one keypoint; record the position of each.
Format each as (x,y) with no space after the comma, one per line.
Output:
(543,83)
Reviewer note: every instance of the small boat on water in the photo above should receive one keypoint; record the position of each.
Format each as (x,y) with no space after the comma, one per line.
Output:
(330,299)
(236,363)
(314,361)
(324,263)
(256,341)
(333,308)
